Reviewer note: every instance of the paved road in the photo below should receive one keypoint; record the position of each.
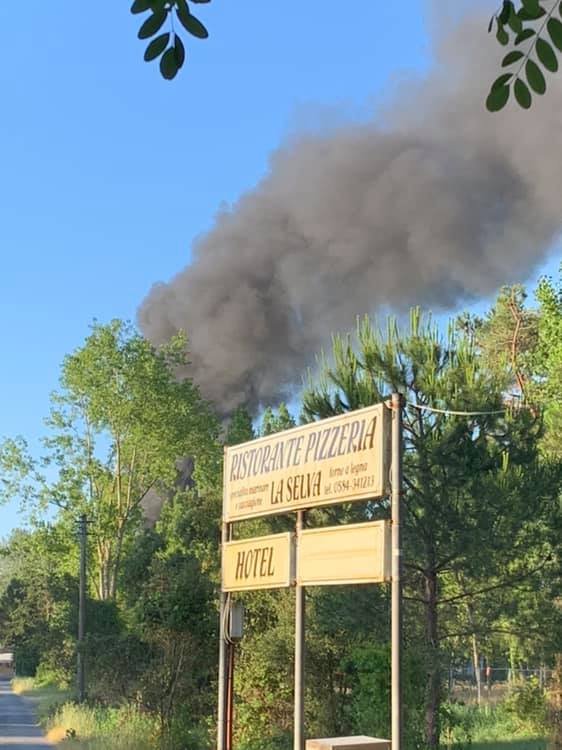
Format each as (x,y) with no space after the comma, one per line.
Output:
(18,728)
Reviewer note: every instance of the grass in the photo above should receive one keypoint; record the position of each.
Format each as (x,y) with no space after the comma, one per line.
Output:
(528,744)
(83,727)
(97,728)
(45,698)
(87,727)
(490,728)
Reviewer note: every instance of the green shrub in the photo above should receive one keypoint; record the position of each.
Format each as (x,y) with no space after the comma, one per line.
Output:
(181,734)
(369,708)
(527,703)
(464,725)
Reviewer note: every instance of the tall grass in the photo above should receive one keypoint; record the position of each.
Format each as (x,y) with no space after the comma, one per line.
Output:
(100,728)
(46,698)
(22,685)
(85,727)
(471,725)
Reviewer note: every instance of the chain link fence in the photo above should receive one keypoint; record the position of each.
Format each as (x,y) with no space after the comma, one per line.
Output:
(493,685)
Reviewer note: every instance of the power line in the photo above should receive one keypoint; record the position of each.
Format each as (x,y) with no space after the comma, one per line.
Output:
(454,413)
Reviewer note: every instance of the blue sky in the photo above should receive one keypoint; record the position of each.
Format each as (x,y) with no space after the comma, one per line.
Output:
(108,172)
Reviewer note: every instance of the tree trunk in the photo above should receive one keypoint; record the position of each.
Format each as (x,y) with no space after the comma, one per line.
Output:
(512,664)
(476,663)
(433,699)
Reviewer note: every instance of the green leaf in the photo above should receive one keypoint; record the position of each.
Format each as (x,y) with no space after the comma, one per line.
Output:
(531,6)
(169,64)
(554,27)
(514,21)
(139,6)
(190,23)
(179,50)
(497,98)
(505,12)
(152,24)
(526,15)
(522,94)
(524,35)
(501,35)
(501,81)
(156,47)
(546,55)
(535,77)
(511,57)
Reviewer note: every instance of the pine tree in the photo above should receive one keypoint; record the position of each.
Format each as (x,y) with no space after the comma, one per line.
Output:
(471,482)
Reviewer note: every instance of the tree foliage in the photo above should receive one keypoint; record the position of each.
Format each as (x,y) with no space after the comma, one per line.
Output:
(117,426)
(168,46)
(272,422)
(472,483)
(481,533)
(534,31)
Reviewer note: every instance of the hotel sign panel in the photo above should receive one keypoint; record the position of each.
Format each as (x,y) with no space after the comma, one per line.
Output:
(265,562)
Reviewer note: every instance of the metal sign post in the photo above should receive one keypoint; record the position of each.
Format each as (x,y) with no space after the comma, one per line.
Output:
(298,734)
(396,592)
(223,657)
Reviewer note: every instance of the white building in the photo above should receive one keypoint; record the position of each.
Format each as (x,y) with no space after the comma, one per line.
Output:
(7,663)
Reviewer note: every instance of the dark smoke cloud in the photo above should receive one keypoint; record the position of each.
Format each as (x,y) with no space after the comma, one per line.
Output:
(434,202)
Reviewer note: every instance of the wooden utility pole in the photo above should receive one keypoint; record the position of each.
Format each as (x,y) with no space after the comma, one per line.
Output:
(80,666)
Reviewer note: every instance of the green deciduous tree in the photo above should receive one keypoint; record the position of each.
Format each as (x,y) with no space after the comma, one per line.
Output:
(118,424)
(547,363)
(38,608)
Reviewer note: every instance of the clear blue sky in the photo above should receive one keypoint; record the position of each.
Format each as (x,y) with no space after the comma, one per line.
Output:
(107,172)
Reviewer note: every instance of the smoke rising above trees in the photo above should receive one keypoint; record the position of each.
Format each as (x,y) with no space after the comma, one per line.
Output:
(432,202)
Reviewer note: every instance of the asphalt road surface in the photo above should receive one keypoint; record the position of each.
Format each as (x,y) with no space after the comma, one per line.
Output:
(18,727)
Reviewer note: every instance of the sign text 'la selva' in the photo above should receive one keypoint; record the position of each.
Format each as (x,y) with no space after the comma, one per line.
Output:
(336,460)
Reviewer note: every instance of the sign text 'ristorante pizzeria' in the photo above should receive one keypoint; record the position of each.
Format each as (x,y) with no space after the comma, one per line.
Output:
(337,460)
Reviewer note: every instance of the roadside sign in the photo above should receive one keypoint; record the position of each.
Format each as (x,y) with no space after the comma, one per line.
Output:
(355,553)
(336,460)
(265,562)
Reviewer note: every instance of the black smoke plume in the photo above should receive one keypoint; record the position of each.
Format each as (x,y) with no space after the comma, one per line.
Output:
(435,201)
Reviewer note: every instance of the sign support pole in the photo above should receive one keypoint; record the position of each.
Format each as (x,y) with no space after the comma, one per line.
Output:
(223,657)
(396,591)
(298,735)
(230,696)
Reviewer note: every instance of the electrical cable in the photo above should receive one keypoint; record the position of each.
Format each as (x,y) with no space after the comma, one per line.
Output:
(226,619)
(454,413)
